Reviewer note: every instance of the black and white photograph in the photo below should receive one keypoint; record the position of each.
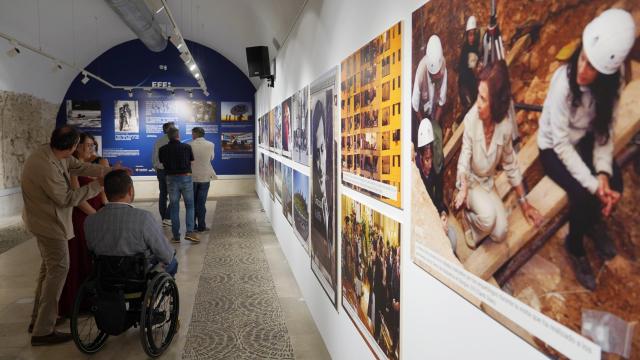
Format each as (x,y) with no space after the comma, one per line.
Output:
(300,127)
(84,114)
(323,189)
(126,116)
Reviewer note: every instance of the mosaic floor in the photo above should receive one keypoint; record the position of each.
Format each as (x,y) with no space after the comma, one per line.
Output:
(236,314)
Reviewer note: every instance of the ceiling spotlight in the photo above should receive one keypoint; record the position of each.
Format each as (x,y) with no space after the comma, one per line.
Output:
(85,79)
(161,8)
(197,75)
(149,93)
(191,94)
(192,67)
(206,93)
(173,92)
(177,41)
(14,51)
(185,56)
(130,93)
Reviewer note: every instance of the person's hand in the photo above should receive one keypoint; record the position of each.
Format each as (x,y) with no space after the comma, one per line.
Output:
(531,214)
(608,197)
(461,198)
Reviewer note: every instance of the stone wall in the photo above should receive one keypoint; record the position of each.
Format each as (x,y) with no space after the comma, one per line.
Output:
(25,123)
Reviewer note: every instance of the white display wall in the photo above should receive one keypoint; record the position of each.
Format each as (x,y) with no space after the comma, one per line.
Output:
(436,323)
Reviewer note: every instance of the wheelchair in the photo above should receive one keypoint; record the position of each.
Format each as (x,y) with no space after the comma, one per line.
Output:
(121,293)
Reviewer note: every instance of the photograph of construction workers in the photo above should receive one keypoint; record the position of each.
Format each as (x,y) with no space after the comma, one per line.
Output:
(323,184)
(300,132)
(371,275)
(370,117)
(525,122)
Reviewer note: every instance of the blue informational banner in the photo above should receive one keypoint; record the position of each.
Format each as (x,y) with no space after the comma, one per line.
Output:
(128,125)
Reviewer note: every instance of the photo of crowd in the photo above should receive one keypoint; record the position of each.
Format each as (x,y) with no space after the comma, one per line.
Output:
(323,188)
(236,111)
(371,275)
(522,125)
(301,208)
(300,132)
(370,117)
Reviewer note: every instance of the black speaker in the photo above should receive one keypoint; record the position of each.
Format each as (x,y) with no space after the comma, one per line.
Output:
(258,60)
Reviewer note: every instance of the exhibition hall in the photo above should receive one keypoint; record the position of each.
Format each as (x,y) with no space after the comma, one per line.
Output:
(319,179)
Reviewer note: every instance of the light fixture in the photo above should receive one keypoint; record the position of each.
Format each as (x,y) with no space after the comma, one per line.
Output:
(161,8)
(14,51)
(197,75)
(130,92)
(191,94)
(173,92)
(185,56)
(206,93)
(85,79)
(192,67)
(178,42)
(149,92)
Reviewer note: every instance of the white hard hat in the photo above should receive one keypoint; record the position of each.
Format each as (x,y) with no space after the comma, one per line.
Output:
(425,133)
(472,23)
(607,40)
(435,57)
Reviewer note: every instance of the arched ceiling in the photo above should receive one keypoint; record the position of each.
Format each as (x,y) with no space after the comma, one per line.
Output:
(78,31)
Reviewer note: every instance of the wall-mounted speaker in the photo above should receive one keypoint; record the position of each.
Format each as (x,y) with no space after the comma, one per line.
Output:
(258,61)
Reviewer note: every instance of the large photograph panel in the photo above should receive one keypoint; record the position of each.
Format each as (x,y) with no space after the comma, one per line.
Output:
(371,276)
(301,208)
(370,117)
(300,136)
(518,165)
(323,186)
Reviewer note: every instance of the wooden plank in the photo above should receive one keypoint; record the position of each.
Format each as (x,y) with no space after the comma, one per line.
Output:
(549,198)
(526,157)
(454,143)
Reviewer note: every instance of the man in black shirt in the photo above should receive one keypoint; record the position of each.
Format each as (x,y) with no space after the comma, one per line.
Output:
(176,158)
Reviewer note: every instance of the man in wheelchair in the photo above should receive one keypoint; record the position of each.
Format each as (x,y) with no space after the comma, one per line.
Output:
(126,289)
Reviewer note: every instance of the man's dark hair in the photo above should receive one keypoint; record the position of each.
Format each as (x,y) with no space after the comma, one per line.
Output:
(117,184)
(198,131)
(168,125)
(173,133)
(64,137)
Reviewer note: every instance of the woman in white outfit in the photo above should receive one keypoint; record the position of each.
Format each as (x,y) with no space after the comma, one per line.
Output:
(487,143)
(575,135)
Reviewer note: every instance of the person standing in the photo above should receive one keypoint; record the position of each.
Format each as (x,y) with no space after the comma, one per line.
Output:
(160,173)
(48,202)
(468,65)
(203,173)
(176,158)
(576,135)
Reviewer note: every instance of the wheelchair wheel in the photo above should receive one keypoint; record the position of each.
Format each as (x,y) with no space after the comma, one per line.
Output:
(84,329)
(159,315)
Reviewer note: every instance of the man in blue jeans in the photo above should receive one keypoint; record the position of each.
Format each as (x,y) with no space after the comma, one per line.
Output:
(176,158)
(203,172)
(160,174)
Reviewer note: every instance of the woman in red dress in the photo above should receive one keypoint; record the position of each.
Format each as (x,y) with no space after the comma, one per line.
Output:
(79,260)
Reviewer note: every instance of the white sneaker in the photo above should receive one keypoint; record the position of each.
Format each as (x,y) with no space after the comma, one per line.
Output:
(166,222)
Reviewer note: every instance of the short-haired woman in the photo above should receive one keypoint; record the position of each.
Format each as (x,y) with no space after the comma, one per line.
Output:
(575,135)
(487,143)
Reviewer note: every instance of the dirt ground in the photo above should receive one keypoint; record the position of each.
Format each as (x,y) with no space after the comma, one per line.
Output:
(548,284)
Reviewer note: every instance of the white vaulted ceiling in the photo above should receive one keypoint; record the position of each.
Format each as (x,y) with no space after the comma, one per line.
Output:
(78,31)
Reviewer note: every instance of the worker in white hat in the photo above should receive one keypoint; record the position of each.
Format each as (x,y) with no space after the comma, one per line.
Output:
(575,135)
(468,65)
(424,160)
(430,95)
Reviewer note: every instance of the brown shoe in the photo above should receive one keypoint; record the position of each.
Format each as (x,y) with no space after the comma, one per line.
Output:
(54,338)
(191,236)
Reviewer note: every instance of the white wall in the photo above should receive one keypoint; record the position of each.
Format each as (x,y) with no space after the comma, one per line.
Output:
(436,323)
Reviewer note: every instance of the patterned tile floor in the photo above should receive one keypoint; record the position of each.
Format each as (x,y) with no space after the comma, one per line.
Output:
(238,298)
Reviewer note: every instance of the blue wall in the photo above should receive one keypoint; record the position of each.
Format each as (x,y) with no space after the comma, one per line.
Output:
(132,64)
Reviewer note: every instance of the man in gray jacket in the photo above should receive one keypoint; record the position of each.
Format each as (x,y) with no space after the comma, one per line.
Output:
(119,229)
